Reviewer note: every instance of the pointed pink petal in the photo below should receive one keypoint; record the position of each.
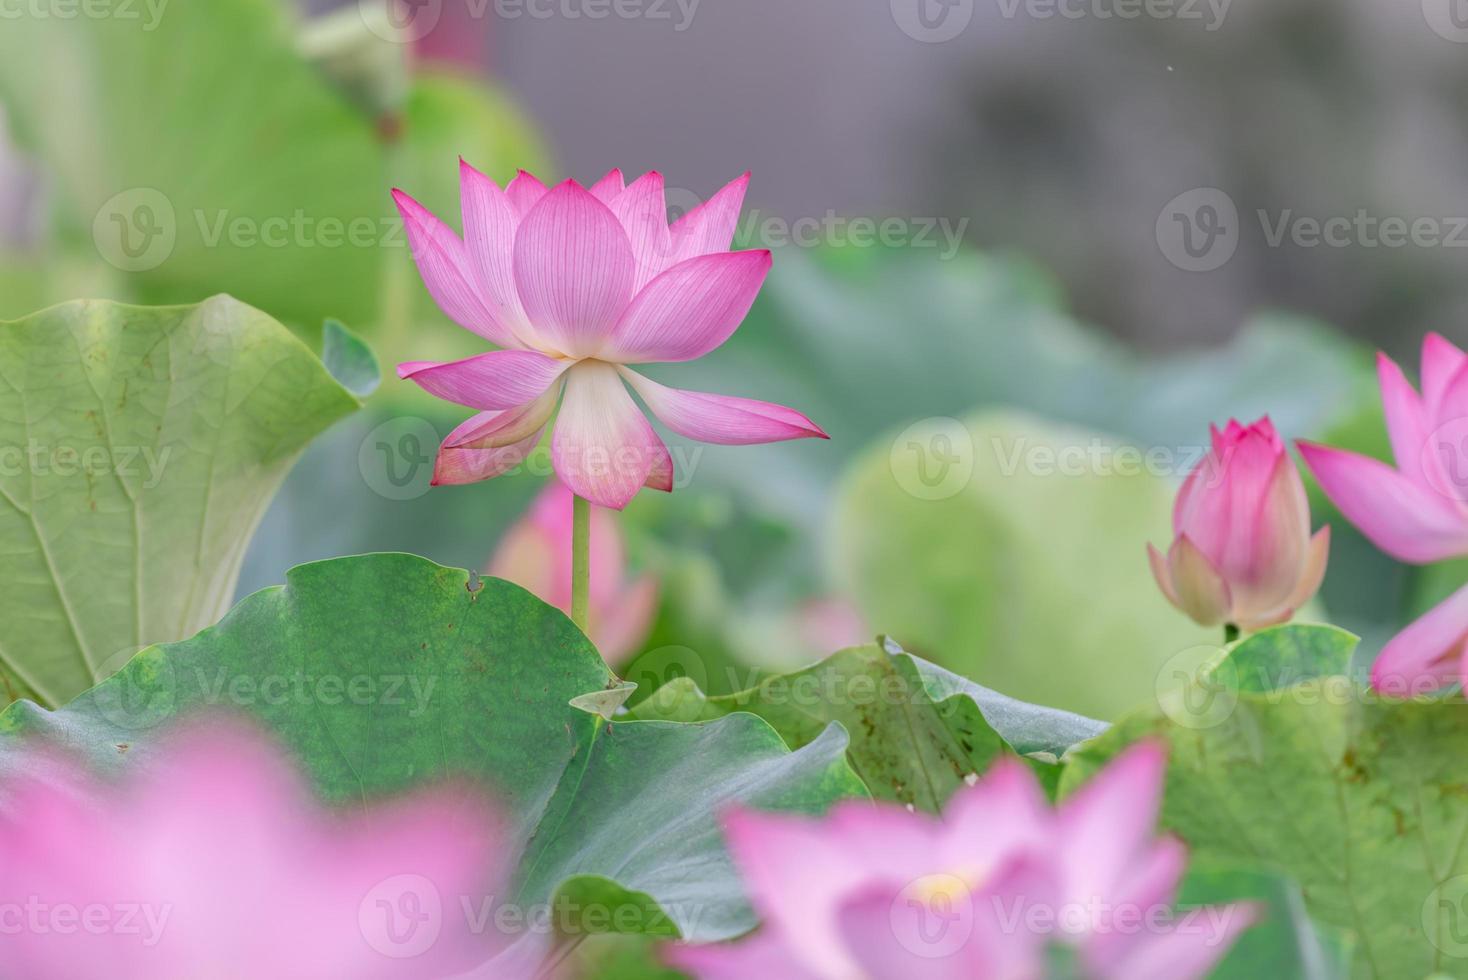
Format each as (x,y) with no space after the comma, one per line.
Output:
(455,466)
(573,269)
(643,210)
(1163,574)
(1202,593)
(1003,814)
(1317,557)
(1441,359)
(447,272)
(525,192)
(721,419)
(688,310)
(1425,655)
(607,189)
(710,227)
(1221,501)
(496,380)
(1187,951)
(493,429)
(1405,520)
(1109,821)
(1278,536)
(1445,443)
(660,477)
(604,449)
(489,238)
(1406,421)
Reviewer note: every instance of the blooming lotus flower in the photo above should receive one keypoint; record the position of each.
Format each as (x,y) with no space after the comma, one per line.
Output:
(1242,553)
(575,287)
(214,862)
(1416,511)
(536,553)
(880,893)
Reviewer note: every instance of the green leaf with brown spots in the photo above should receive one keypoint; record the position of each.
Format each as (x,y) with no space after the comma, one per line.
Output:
(917,731)
(1362,800)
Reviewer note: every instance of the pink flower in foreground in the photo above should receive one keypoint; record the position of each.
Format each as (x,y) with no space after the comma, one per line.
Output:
(883,894)
(574,286)
(1416,512)
(1242,551)
(215,862)
(536,553)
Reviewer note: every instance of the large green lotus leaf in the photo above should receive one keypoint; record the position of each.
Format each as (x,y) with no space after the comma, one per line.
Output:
(202,151)
(385,671)
(1357,798)
(917,731)
(139,448)
(1284,943)
(1006,555)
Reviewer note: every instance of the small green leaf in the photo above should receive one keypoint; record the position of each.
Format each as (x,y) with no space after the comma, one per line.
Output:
(1283,656)
(350,361)
(605,703)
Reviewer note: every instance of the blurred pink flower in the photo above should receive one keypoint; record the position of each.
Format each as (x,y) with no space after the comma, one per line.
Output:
(1242,551)
(213,861)
(1416,512)
(575,285)
(536,554)
(884,894)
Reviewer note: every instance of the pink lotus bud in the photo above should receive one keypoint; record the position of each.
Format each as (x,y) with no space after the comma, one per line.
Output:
(1242,553)
(536,554)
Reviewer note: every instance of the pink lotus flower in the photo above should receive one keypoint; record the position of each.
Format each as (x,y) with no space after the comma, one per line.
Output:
(574,286)
(1242,553)
(536,553)
(1416,512)
(214,862)
(878,892)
